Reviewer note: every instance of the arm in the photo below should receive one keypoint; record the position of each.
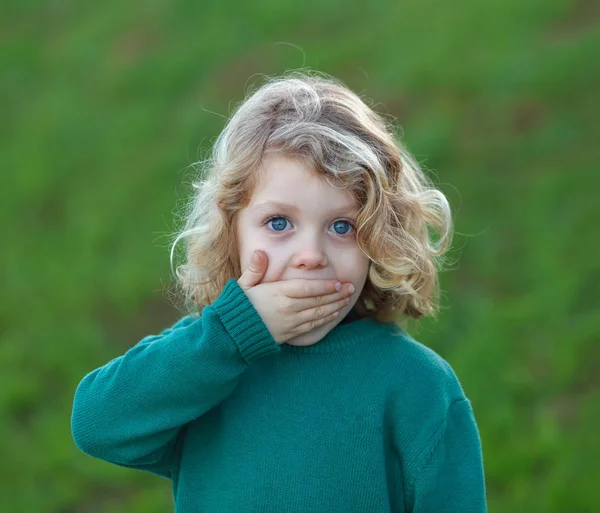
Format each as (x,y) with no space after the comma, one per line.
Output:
(130,411)
(450,476)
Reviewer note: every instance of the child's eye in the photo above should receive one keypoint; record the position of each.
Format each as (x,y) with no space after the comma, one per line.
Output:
(342,227)
(277,223)
(280,223)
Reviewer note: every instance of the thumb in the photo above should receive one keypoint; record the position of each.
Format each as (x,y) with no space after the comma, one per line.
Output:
(255,271)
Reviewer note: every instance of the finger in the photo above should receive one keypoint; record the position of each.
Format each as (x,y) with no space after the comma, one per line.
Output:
(310,288)
(255,271)
(316,314)
(300,304)
(315,323)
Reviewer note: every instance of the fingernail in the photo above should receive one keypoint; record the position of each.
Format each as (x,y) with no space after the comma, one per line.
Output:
(255,256)
(338,286)
(351,288)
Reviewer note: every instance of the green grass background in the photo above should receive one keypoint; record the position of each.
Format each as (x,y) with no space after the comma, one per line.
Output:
(104,105)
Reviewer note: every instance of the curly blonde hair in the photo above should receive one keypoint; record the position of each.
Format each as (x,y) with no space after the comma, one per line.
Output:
(314,117)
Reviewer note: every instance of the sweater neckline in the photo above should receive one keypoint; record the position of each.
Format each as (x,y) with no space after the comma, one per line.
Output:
(344,336)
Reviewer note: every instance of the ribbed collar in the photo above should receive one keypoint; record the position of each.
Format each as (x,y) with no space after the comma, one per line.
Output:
(346,335)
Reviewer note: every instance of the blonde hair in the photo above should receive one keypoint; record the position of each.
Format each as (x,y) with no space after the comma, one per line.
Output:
(315,118)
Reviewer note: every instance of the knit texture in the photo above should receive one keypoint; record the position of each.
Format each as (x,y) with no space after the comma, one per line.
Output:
(365,420)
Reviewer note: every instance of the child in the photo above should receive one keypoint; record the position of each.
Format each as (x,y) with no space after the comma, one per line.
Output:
(292,387)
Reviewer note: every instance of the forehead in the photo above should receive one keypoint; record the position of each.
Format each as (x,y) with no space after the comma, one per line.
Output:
(287,180)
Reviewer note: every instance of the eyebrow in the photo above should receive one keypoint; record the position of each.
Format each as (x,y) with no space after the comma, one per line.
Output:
(285,207)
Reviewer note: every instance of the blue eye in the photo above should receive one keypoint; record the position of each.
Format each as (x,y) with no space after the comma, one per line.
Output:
(278,223)
(342,227)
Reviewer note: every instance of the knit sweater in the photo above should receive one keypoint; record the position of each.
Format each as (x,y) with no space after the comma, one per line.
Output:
(365,420)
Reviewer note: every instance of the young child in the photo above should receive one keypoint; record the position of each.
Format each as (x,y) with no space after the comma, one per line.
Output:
(291,385)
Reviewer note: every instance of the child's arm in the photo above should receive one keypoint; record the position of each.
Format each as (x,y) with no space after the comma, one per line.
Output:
(129,411)
(450,476)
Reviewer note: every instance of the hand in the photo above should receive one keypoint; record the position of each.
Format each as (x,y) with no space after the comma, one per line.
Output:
(292,307)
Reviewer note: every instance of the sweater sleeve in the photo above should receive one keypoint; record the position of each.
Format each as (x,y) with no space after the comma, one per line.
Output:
(131,410)
(450,477)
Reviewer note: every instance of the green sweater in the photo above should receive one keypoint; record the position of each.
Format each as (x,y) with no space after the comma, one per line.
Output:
(365,420)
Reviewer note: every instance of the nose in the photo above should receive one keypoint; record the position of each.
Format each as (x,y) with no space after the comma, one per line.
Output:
(310,255)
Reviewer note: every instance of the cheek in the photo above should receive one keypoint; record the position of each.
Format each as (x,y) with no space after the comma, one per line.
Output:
(244,243)
(352,263)
(276,257)
(253,238)
(354,267)
(244,258)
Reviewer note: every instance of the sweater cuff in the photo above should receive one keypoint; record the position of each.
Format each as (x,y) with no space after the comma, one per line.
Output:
(244,325)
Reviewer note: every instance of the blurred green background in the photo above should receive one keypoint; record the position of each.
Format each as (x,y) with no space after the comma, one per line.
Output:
(106,104)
